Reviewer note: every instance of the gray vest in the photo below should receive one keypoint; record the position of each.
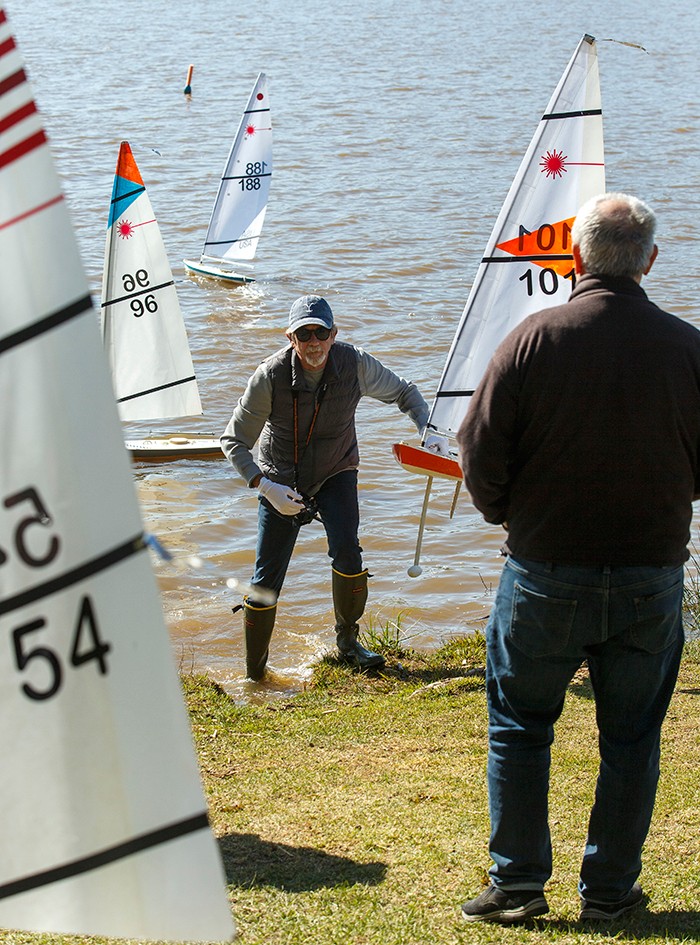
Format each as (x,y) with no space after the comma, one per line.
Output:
(332,446)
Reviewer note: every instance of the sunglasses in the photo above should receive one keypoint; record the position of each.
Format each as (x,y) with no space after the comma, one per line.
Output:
(321,334)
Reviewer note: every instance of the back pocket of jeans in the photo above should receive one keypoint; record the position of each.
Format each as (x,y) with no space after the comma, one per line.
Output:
(540,625)
(657,619)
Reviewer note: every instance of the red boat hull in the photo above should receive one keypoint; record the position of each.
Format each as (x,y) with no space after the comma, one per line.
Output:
(423,462)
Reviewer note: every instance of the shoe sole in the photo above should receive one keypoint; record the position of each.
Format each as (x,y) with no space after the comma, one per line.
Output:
(506,916)
(599,915)
(379,663)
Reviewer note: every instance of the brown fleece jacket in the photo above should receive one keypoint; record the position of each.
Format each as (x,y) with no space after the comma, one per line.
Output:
(584,433)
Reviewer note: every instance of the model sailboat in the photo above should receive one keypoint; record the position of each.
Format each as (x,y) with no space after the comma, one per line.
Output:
(143,330)
(239,209)
(528,262)
(103,817)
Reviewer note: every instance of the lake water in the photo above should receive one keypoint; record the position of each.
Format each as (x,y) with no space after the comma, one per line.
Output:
(398,127)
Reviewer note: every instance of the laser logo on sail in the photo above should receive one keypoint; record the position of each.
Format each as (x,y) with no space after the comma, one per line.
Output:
(553,164)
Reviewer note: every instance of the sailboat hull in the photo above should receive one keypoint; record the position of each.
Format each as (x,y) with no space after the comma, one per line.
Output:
(216,272)
(162,448)
(415,459)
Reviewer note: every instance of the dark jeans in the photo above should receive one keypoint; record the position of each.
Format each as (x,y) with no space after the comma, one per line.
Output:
(546,621)
(277,534)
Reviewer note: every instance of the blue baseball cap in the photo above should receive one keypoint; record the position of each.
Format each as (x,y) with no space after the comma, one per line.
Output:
(310,310)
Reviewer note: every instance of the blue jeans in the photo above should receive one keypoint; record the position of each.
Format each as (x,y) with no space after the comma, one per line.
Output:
(546,621)
(277,534)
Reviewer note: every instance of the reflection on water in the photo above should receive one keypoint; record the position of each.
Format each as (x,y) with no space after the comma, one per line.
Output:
(395,141)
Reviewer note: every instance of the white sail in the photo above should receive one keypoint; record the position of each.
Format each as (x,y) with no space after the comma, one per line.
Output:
(142,325)
(528,264)
(103,818)
(239,209)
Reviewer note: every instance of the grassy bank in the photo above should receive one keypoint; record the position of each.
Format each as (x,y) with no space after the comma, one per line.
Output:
(356,812)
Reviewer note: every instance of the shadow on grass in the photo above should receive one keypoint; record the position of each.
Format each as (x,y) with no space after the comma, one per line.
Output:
(663,925)
(330,672)
(251,861)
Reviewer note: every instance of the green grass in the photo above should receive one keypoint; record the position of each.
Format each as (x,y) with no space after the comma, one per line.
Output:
(356,812)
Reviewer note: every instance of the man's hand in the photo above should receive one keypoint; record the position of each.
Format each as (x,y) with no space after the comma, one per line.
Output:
(281,497)
(437,444)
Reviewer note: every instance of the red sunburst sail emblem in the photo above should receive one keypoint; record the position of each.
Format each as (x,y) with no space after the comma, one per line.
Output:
(553,164)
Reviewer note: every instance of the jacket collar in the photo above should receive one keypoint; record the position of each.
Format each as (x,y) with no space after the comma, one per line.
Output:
(620,285)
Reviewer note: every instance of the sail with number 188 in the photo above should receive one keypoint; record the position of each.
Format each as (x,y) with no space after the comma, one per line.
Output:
(103,819)
(241,201)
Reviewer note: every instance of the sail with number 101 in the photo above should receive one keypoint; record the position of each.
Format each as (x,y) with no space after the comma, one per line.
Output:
(103,819)
(528,261)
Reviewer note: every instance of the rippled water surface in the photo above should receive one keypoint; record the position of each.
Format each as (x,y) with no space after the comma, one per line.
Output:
(398,127)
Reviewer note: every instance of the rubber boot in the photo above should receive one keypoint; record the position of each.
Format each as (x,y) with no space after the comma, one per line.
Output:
(258,623)
(349,599)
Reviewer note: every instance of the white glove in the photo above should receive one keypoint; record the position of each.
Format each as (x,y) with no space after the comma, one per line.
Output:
(281,497)
(437,444)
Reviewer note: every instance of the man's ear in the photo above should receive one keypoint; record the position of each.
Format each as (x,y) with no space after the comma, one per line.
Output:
(578,264)
(654,254)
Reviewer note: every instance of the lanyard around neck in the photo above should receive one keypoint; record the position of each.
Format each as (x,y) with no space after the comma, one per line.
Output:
(295,407)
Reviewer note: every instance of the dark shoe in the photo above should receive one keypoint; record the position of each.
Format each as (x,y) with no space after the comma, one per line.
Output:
(352,652)
(607,911)
(503,905)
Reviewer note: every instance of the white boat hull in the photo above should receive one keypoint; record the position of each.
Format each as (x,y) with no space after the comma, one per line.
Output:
(216,272)
(165,447)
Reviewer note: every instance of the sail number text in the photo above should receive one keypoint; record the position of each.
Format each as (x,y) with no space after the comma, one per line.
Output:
(545,239)
(546,280)
(35,543)
(140,280)
(253,171)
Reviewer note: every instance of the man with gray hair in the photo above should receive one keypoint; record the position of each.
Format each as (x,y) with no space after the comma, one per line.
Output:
(582,441)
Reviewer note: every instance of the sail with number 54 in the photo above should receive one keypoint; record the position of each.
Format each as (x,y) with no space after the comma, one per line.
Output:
(103,818)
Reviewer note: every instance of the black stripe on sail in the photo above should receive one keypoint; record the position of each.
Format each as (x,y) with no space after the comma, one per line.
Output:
(241,239)
(539,257)
(128,195)
(256,111)
(246,176)
(83,571)
(133,295)
(45,324)
(454,393)
(119,851)
(584,113)
(154,390)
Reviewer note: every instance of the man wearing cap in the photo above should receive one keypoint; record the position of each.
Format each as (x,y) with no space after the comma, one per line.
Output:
(300,404)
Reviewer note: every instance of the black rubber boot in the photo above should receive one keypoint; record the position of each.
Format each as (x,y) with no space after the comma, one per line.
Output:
(349,599)
(258,623)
